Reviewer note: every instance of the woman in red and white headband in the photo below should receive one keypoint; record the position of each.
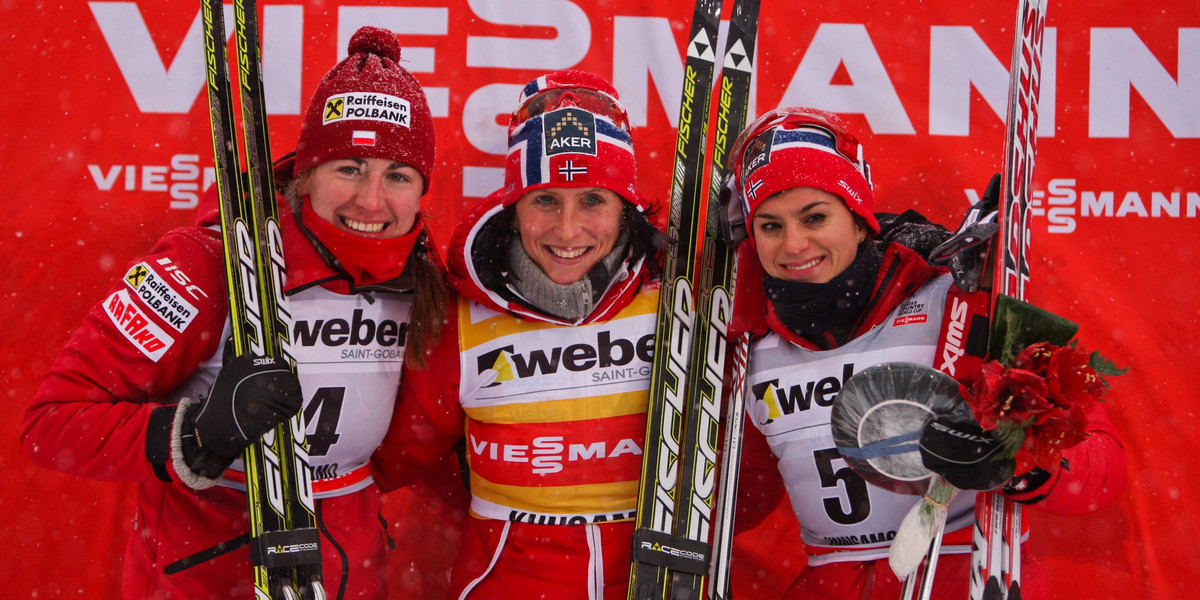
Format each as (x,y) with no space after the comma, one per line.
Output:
(825,299)
(546,367)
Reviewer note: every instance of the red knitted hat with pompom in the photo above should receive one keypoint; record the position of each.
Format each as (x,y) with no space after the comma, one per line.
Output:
(368,106)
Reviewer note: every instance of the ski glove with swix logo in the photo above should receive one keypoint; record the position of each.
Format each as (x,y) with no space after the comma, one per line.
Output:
(250,396)
(970,458)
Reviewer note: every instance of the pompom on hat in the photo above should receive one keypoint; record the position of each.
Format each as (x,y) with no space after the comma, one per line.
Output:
(368,106)
(800,147)
(570,130)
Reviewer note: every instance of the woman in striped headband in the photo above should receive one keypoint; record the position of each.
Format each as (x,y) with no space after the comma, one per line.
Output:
(548,360)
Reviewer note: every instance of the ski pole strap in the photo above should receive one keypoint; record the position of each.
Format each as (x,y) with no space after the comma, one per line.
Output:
(679,554)
(202,556)
(886,447)
(286,548)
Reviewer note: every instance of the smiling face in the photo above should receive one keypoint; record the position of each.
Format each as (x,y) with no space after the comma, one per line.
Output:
(805,234)
(369,197)
(566,231)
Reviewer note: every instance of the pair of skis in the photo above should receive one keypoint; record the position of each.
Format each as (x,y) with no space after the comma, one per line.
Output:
(672,555)
(284,540)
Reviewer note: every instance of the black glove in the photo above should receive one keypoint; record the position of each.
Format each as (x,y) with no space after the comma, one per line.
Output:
(250,396)
(958,449)
(964,252)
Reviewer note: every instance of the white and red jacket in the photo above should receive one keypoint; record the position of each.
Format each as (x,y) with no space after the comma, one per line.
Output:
(104,410)
(552,415)
(916,314)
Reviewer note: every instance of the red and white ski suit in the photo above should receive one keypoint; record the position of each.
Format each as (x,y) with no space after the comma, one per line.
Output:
(553,417)
(104,410)
(846,525)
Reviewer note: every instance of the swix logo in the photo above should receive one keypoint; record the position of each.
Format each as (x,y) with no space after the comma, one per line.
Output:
(358,331)
(799,397)
(959,434)
(954,347)
(602,353)
(546,454)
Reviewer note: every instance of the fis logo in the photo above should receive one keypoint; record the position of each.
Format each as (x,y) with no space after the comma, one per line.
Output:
(774,401)
(603,352)
(569,130)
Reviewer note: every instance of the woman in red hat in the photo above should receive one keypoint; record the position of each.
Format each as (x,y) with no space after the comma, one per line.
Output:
(547,358)
(824,299)
(367,296)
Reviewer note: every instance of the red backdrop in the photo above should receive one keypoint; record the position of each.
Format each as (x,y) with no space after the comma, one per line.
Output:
(105,144)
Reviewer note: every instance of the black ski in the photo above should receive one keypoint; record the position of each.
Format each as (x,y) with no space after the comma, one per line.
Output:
(284,545)
(656,552)
(700,479)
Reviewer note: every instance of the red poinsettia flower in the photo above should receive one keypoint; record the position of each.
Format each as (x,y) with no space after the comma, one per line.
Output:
(1044,442)
(1073,383)
(1012,395)
(1037,405)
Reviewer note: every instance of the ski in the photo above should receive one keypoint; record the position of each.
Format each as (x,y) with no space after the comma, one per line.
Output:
(701,482)
(656,551)
(996,536)
(284,542)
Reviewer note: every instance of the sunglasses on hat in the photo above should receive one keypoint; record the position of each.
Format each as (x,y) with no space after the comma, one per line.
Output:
(593,101)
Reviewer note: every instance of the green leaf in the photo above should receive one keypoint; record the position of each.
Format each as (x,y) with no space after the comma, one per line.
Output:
(1017,324)
(1103,365)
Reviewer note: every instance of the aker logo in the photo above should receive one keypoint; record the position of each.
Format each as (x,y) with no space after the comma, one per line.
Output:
(136,325)
(159,296)
(757,153)
(800,397)
(358,331)
(603,353)
(366,106)
(569,130)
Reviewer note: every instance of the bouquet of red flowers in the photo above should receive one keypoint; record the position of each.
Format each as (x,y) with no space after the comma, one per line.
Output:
(1037,404)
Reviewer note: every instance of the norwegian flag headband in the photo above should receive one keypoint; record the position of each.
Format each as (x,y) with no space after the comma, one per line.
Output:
(570,147)
(801,147)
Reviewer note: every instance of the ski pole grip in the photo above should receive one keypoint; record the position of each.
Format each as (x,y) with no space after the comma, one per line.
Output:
(679,554)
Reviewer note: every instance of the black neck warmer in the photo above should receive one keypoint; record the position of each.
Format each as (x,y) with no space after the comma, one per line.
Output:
(827,314)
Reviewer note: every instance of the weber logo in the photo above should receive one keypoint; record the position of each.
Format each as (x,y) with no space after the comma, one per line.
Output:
(605,352)
(136,325)
(358,331)
(781,401)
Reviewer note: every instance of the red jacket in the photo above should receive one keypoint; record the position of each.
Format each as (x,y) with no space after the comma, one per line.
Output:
(104,411)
